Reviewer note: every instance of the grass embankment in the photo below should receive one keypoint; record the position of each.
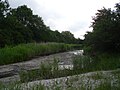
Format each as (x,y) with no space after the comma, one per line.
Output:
(24,52)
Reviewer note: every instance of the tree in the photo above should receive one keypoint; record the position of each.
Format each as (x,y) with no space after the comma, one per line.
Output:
(106,31)
(68,37)
(33,22)
(20,25)
(4,10)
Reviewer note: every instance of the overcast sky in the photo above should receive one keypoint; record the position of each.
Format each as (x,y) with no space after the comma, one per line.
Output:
(64,15)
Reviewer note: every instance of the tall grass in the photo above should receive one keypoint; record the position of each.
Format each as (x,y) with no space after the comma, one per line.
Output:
(96,63)
(81,64)
(76,46)
(46,71)
(26,51)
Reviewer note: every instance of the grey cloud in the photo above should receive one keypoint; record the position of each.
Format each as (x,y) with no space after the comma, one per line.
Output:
(16,3)
(37,9)
(78,26)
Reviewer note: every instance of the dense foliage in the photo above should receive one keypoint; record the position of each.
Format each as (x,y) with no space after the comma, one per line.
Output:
(20,25)
(106,31)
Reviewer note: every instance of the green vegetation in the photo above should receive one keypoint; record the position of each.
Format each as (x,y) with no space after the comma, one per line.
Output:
(106,32)
(26,51)
(101,46)
(97,63)
(76,46)
(20,25)
(46,71)
(81,64)
(95,80)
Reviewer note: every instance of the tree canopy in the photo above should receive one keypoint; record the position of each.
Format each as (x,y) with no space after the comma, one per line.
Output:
(106,31)
(20,25)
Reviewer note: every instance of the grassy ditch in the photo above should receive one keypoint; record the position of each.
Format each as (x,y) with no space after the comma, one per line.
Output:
(26,51)
(46,71)
(81,64)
